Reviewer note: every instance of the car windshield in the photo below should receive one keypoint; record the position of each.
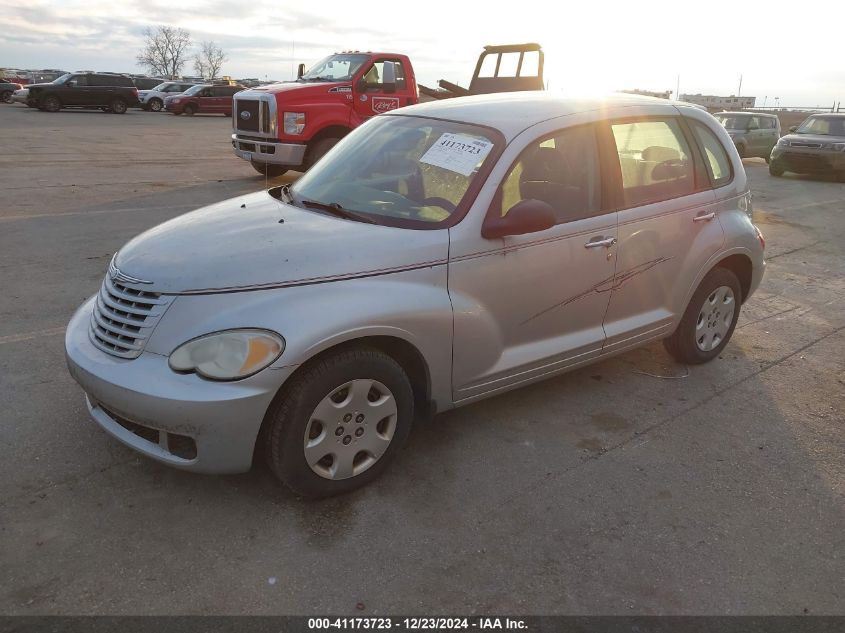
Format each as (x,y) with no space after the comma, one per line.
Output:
(826,126)
(398,170)
(733,121)
(161,87)
(193,90)
(63,78)
(335,68)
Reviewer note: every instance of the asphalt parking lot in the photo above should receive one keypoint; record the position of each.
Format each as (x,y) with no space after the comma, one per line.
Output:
(627,487)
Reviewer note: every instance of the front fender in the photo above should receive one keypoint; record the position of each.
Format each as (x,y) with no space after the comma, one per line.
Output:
(412,306)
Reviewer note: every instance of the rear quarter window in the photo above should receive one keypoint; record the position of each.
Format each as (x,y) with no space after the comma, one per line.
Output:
(715,156)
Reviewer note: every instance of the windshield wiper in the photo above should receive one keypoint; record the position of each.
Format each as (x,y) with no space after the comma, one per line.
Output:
(336,209)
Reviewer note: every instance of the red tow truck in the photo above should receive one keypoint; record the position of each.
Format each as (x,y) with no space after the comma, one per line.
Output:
(291,125)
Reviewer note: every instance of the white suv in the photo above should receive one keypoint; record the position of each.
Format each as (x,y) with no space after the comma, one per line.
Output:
(154,99)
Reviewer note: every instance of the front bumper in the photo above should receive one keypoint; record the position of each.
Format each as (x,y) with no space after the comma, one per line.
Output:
(290,154)
(808,160)
(148,407)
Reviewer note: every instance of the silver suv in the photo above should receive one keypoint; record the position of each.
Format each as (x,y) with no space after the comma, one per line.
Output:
(754,134)
(438,255)
(154,99)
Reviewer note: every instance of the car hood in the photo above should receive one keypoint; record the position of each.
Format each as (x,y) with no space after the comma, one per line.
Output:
(242,244)
(814,138)
(44,85)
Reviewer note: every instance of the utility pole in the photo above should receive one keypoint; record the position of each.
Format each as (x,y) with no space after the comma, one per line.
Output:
(678,89)
(739,91)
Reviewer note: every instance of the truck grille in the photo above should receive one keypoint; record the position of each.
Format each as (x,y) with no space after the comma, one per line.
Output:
(124,317)
(244,107)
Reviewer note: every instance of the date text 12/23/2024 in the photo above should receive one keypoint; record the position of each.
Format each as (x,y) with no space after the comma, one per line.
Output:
(416,624)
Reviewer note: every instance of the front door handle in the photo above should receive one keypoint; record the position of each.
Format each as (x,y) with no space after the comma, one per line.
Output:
(705,217)
(596,242)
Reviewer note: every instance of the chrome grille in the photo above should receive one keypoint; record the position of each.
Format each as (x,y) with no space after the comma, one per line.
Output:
(124,317)
(262,110)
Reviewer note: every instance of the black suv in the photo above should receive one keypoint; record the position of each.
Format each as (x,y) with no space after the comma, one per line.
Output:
(108,91)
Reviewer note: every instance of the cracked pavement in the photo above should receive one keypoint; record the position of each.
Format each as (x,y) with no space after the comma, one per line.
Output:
(620,488)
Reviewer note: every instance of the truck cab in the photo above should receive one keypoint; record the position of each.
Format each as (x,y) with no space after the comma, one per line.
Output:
(291,125)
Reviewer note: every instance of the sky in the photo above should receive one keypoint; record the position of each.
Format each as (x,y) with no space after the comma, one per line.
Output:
(780,50)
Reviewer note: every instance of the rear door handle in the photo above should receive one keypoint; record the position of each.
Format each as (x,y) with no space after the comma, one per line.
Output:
(706,217)
(599,241)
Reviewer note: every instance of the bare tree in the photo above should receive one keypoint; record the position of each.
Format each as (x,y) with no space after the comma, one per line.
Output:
(209,60)
(165,51)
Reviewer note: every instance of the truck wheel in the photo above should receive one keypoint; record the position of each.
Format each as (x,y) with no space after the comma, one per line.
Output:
(118,106)
(6,96)
(266,169)
(340,422)
(709,320)
(155,105)
(189,110)
(319,149)
(51,104)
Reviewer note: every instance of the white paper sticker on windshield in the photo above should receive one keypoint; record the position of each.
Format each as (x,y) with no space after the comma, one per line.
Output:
(457,152)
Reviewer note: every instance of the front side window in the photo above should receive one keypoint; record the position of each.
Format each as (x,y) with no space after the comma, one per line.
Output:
(374,76)
(80,80)
(718,163)
(655,161)
(562,171)
(399,170)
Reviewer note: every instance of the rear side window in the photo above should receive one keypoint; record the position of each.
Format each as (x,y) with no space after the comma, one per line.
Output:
(655,161)
(716,158)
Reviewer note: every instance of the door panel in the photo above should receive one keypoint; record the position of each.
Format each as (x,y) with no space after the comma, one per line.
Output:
(528,305)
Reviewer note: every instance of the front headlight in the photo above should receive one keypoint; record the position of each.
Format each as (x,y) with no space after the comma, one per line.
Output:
(294,122)
(782,142)
(228,355)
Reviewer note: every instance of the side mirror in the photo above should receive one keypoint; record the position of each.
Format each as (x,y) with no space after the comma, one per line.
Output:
(389,79)
(527,216)
(300,70)
(793,128)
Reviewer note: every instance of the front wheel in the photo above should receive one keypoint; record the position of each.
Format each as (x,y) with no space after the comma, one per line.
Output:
(118,106)
(266,169)
(340,423)
(319,149)
(155,105)
(709,320)
(189,110)
(775,169)
(51,104)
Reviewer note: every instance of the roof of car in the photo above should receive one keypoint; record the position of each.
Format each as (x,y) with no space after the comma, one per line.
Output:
(512,112)
(749,113)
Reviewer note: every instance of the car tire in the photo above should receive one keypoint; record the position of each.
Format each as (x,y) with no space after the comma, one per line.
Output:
(319,149)
(51,103)
(189,110)
(367,400)
(775,169)
(268,170)
(6,96)
(709,320)
(155,105)
(118,106)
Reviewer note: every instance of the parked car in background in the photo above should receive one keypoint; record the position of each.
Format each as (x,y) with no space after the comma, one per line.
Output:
(21,96)
(146,83)
(153,99)
(8,88)
(754,134)
(107,91)
(203,99)
(438,255)
(817,146)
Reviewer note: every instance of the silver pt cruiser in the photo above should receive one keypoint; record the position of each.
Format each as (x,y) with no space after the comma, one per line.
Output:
(439,254)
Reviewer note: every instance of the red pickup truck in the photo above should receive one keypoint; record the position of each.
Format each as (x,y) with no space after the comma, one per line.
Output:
(291,125)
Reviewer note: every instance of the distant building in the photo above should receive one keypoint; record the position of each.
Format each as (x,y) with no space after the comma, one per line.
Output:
(713,102)
(665,94)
